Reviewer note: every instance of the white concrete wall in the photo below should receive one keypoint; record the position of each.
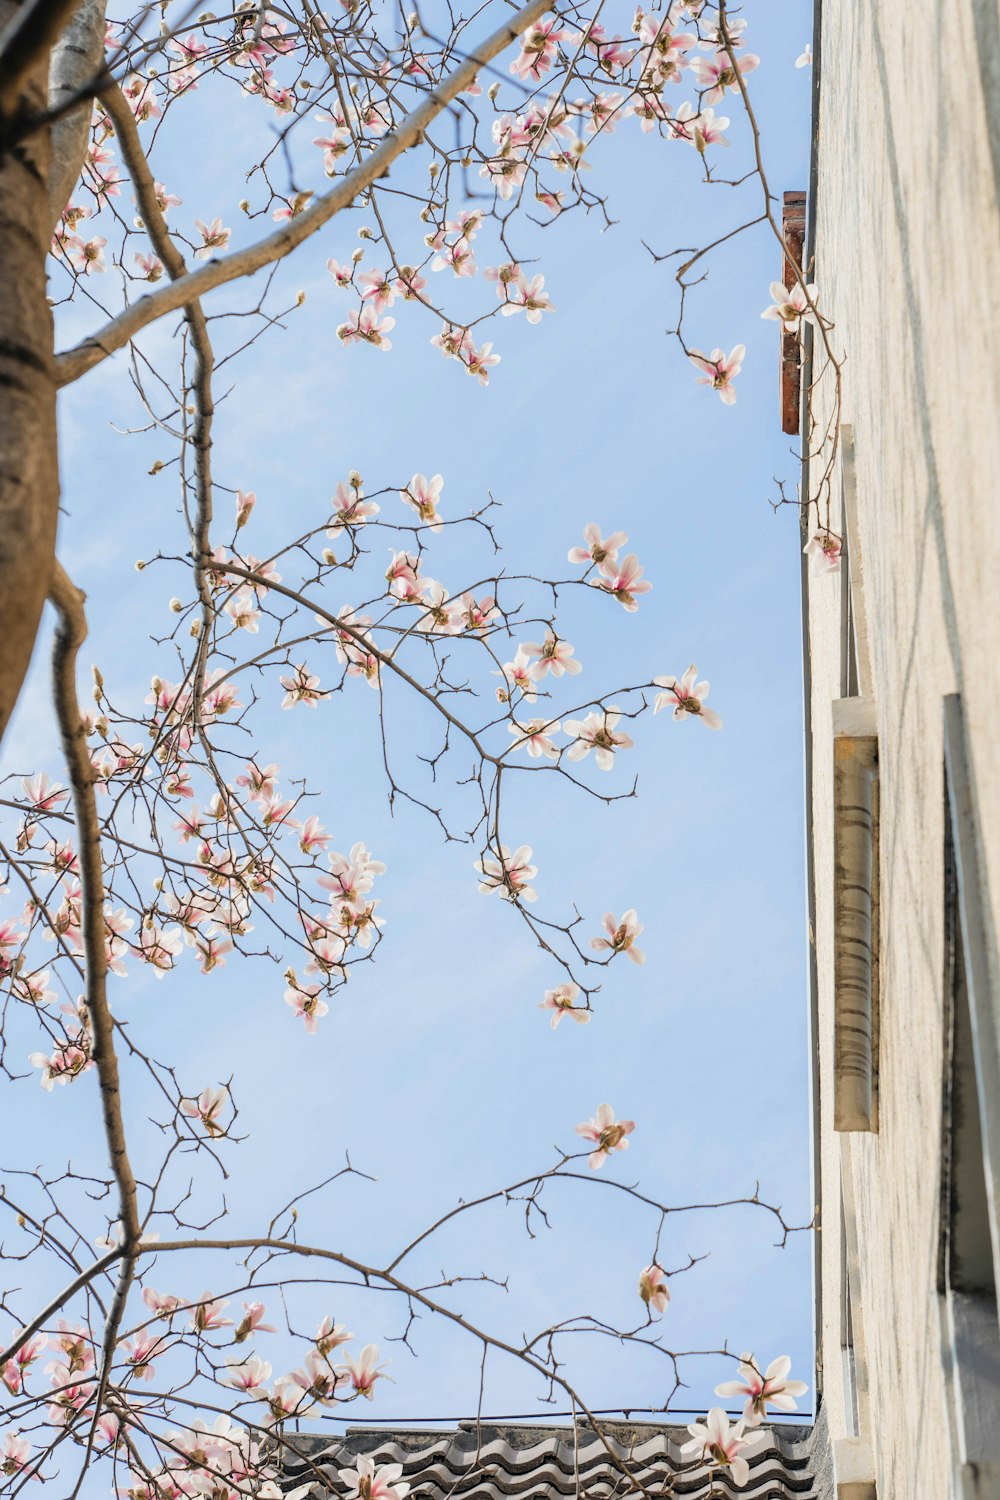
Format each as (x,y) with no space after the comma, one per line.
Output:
(908,267)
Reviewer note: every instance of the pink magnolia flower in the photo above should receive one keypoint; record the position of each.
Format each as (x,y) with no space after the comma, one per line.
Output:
(214,237)
(312,835)
(15,1453)
(518,677)
(653,1288)
(527,296)
(260,783)
(206,1314)
(479,361)
(607,1133)
(158,947)
(477,614)
(598,549)
(716,74)
(160,1303)
(772,1388)
(42,796)
(720,1446)
(441,615)
(14,1370)
(306,1001)
(363,1372)
(504,275)
(252,1322)
(141,1351)
(720,370)
(509,875)
(207,1108)
(410,284)
(76,1346)
(539,49)
(623,581)
(403,576)
(88,256)
(319,1380)
(620,936)
(534,736)
(150,266)
(459,256)
(250,1375)
(825,549)
(422,495)
(245,503)
(552,655)
(366,1482)
(301,687)
(701,128)
(560,1002)
(378,289)
(687,696)
(333,147)
(67,1062)
(165,201)
(350,508)
(330,1335)
(363,326)
(291,209)
(342,275)
(789,305)
(597,732)
(805,57)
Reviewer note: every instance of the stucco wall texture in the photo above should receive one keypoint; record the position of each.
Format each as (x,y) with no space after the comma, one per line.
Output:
(907,261)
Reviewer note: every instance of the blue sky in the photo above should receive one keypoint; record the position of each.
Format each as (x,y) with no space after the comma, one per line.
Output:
(435,1068)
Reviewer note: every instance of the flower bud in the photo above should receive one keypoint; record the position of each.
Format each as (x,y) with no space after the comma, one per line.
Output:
(300,297)
(245,205)
(139,565)
(492,91)
(329,556)
(157,466)
(354,479)
(364,233)
(176,606)
(358,256)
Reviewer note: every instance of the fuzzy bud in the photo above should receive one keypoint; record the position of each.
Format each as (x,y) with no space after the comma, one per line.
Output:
(329,556)
(354,480)
(140,565)
(358,256)
(492,91)
(176,606)
(157,466)
(300,297)
(245,205)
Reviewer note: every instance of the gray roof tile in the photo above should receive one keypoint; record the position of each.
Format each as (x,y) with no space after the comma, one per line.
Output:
(539,1463)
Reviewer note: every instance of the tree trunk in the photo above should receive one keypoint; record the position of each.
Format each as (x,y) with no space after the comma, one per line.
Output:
(29,477)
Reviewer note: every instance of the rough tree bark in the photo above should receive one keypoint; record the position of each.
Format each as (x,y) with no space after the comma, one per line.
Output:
(29,476)
(35,181)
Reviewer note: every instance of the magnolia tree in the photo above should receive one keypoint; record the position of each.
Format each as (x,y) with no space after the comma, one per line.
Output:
(171,840)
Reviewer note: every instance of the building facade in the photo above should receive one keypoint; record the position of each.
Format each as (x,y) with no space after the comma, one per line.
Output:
(903,739)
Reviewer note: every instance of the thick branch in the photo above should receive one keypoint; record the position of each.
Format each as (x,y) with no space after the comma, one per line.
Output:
(76,57)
